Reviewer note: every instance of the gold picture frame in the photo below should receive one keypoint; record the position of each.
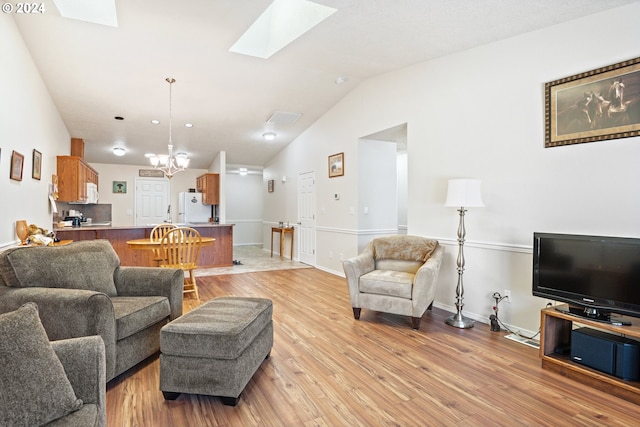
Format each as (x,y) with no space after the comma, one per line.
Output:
(596,105)
(17,164)
(36,171)
(336,165)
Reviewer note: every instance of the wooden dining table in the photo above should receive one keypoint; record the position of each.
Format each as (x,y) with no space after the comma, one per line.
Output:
(155,244)
(148,244)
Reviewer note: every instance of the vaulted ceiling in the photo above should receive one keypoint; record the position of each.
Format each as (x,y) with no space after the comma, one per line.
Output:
(98,72)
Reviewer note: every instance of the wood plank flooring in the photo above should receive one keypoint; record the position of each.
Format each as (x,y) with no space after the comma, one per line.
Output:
(327,369)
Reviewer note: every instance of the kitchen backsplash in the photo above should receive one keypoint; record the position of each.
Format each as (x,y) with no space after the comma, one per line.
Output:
(97,213)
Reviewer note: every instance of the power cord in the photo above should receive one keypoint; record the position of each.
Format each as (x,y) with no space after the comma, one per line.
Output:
(496,323)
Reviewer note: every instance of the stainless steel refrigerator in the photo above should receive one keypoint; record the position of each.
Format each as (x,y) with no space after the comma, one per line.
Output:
(191,210)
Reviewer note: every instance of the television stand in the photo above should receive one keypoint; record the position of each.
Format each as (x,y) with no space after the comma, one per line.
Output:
(555,343)
(593,314)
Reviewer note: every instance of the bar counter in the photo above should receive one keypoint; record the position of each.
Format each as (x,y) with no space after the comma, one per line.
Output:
(220,254)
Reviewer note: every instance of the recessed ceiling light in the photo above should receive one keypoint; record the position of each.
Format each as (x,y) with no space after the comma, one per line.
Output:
(188,125)
(269,136)
(155,122)
(340,80)
(119,151)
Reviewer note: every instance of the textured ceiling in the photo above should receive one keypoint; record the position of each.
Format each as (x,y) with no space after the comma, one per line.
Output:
(96,72)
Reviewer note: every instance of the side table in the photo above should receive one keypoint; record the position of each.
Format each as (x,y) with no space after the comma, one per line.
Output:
(282,231)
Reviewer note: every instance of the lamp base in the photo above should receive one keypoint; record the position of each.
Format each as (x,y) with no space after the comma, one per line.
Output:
(459,321)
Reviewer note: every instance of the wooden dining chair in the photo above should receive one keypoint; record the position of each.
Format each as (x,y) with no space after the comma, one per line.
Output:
(181,249)
(156,236)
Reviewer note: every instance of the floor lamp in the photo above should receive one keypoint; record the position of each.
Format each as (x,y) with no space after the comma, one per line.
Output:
(462,193)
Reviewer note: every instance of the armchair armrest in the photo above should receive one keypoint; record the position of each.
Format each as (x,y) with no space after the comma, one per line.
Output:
(83,360)
(353,269)
(425,281)
(69,313)
(150,281)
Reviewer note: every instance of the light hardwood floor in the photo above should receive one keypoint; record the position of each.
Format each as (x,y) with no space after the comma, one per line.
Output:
(327,369)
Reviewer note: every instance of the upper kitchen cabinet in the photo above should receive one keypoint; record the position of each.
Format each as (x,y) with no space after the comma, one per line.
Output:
(209,185)
(73,176)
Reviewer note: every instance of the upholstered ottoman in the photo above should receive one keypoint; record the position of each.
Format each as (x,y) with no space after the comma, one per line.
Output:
(216,348)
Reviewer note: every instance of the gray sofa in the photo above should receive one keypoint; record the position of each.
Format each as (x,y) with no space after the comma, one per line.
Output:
(58,383)
(83,361)
(82,290)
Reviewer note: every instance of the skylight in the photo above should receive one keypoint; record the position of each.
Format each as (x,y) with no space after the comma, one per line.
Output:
(101,12)
(280,24)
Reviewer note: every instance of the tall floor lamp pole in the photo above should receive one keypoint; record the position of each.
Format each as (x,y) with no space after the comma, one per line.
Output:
(462,192)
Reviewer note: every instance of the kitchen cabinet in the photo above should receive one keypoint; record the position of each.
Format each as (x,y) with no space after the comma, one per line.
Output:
(209,185)
(73,176)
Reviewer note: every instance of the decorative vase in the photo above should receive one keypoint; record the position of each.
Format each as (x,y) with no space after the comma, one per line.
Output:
(22,231)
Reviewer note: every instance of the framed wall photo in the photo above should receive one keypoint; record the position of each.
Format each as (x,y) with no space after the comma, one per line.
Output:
(336,165)
(36,171)
(17,164)
(119,186)
(270,185)
(596,105)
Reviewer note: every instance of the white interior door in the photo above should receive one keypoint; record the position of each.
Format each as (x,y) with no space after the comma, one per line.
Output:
(152,201)
(307,217)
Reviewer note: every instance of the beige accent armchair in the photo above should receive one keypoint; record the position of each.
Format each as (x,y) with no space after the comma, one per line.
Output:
(395,274)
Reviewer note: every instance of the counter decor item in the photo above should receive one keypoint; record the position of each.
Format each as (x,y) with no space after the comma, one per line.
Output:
(22,231)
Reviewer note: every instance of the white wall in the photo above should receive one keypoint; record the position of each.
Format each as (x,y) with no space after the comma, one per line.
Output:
(28,120)
(480,114)
(245,207)
(377,190)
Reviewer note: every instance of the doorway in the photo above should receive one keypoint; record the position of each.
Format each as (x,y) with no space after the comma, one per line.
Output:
(152,201)
(307,217)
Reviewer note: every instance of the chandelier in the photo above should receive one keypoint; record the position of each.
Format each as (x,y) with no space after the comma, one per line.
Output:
(169,163)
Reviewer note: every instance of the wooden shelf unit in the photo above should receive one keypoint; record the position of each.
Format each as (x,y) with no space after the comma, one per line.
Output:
(73,176)
(555,345)
(209,185)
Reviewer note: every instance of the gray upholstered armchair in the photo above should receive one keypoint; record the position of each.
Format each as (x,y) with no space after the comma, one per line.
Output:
(395,274)
(82,290)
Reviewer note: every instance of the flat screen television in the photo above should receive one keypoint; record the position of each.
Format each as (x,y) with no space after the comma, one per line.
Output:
(595,275)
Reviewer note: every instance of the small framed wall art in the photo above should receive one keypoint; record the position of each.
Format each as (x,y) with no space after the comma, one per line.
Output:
(17,164)
(119,186)
(36,171)
(270,185)
(336,165)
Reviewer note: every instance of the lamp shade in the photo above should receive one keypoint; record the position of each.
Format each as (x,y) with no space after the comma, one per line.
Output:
(464,193)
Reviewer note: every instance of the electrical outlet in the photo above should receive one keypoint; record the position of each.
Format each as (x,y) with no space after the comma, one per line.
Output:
(507,295)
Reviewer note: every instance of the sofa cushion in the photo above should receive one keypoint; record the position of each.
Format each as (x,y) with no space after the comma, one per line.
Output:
(134,314)
(34,386)
(83,417)
(387,282)
(81,265)
(408,248)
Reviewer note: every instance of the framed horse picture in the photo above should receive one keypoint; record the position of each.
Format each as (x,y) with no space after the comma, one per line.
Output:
(596,105)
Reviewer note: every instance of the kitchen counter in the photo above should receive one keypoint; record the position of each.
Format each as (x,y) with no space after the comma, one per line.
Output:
(220,254)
